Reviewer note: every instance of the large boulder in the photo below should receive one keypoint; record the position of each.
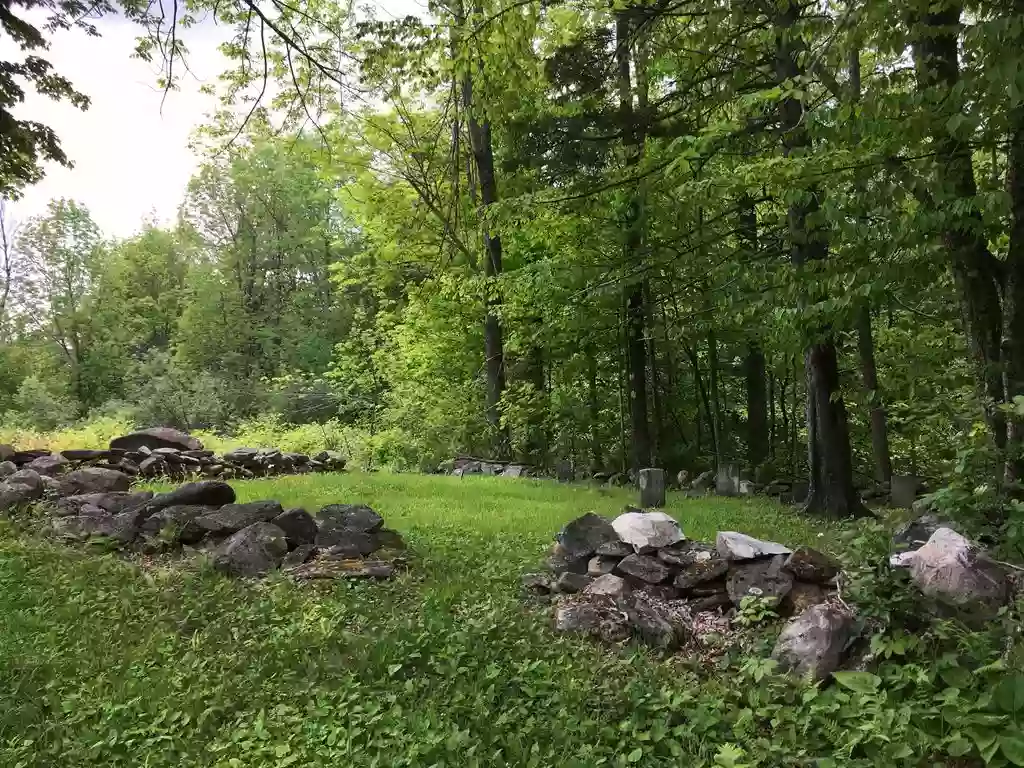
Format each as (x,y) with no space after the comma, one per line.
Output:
(121,528)
(808,564)
(253,551)
(7,468)
(298,525)
(738,546)
(759,578)
(354,517)
(23,487)
(647,531)
(582,537)
(94,480)
(231,518)
(51,465)
(812,644)
(953,570)
(208,493)
(156,437)
(914,533)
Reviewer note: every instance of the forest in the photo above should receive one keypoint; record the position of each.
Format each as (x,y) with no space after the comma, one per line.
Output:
(608,235)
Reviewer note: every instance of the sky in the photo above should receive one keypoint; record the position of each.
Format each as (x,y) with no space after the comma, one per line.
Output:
(130,148)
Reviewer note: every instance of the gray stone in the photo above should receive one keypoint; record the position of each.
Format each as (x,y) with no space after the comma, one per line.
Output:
(799,491)
(386,538)
(298,556)
(231,518)
(812,644)
(49,465)
(253,551)
(209,493)
(298,526)
(808,564)
(356,517)
(581,537)
(537,583)
(727,480)
(7,452)
(700,572)
(344,543)
(581,618)
(614,549)
(664,592)
(152,466)
(558,562)
(177,523)
(649,623)
(914,533)
(738,546)
(598,565)
(608,584)
(953,570)
(7,468)
(703,481)
(27,480)
(682,478)
(904,490)
(157,437)
(645,568)
(343,569)
(94,480)
(802,596)
(569,582)
(120,528)
(652,487)
(759,578)
(514,470)
(647,531)
(747,488)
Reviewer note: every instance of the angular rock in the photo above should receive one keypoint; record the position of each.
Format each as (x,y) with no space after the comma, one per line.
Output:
(298,526)
(253,551)
(682,478)
(152,466)
(614,549)
(559,563)
(647,531)
(386,538)
(514,470)
(914,533)
(356,517)
(343,569)
(802,596)
(581,537)
(49,465)
(645,568)
(178,523)
(700,572)
(569,583)
(120,528)
(111,503)
(652,487)
(537,583)
(598,566)
(7,452)
(86,454)
(703,481)
(609,584)
(684,554)
(94,480)
(231,518)
(663,592)
(808,564)
(711,602)
(242,456)
(652,626)
(345,543)
(953,570)
(581,618)
(760,578)
(208,493)
(738,546)
(727,480)
(812,644)
(157,437)
(7,468)
(27,480)
(298,556)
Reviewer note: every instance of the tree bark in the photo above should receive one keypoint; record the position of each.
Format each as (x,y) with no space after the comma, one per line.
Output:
(976,271)
(1013,309)
(828,440)
(757,407)
(635,310)
(594,411)
(879,424)
(715,410)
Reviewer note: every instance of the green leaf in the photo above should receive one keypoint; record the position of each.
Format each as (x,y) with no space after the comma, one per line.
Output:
(1012,748)
(635,755)
(959,747)
(859,682)
(1009,694)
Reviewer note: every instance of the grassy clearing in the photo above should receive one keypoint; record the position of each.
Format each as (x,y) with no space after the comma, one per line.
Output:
(102,663)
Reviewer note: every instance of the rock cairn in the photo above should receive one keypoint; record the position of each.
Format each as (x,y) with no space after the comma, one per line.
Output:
(167,453)
(638,576)
(247,539)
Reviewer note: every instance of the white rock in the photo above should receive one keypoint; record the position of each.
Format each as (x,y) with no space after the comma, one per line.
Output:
(647,531)
(608,584)
(953,570)
(738,546)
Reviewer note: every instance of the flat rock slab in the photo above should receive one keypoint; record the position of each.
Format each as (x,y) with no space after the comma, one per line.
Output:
(355,517)
(647,531)
(582,537)
(645,568)
(210,493)
(343,569)
(609,584)
(234,517)
(298,525)
(157,437)
(93,480)
(700,572)
(759,578)
(738,546)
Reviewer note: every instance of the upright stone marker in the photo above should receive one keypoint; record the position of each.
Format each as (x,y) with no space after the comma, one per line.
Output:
(652,488)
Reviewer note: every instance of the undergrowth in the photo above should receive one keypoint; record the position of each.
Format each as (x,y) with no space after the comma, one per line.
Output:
(113,663)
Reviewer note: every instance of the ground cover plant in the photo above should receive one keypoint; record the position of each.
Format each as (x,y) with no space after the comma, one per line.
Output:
(108,662)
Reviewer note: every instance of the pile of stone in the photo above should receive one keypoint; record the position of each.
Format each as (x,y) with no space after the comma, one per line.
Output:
(638,576)
(162,452)
(250,539)
(464,465)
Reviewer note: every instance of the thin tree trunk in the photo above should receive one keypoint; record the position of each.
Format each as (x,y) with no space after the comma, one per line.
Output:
(758,432)
(593,410)
(715,411)
(829,458)
(879,423)
(772,422)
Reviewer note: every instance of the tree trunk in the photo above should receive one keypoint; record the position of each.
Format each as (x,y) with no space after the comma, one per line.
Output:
(879,424)
(1013,310)
(715,411)
(828,440)
(976,271)
(594,412)
(494,358)
(635,310)
(757,407)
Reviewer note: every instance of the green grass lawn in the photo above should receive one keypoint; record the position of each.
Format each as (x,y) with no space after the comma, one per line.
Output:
(104,663)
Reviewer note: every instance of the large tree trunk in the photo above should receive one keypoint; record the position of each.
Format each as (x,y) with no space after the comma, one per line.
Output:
(494,357)
(635,310)
(828,440)
(975,270)
(1013,310)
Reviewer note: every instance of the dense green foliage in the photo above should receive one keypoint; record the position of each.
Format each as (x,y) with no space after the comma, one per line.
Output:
(105,662)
